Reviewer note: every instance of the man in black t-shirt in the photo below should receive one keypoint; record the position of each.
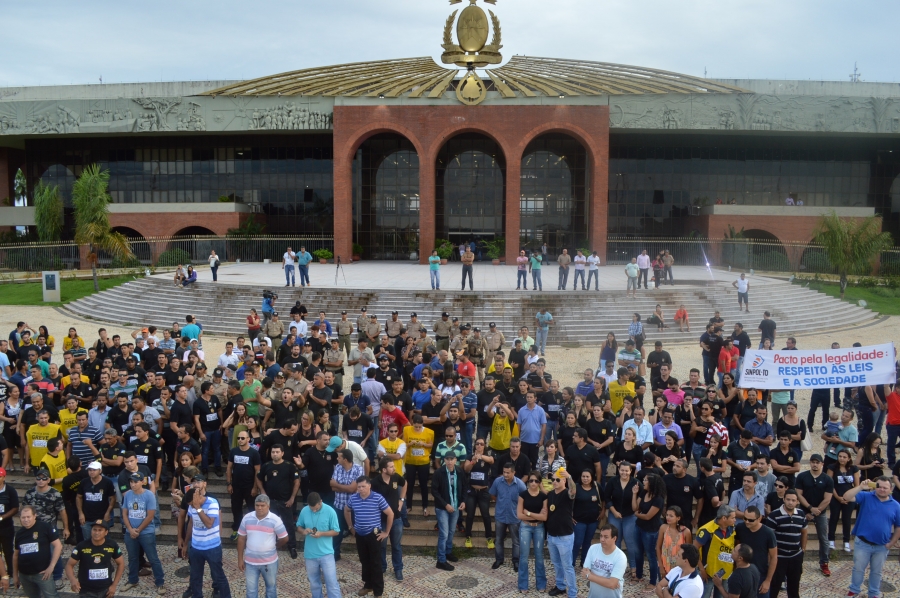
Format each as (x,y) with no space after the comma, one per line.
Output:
(34,544)
(392,487)
(762,540)
(147,450)
(95,499)
(180,412)
(70,485)
(488,398)
(187,444)
(286,437)
(319,465)
(561,532)
(713,493)
(117,418)
(9,506)
(207,414)
(95,558)
(281,483)
(767,329)
(744,579)
(111,453)
(241,475)
(358,427)
(681,490)
(581,455)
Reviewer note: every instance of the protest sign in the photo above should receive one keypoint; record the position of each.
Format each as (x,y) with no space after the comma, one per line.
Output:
(825,368)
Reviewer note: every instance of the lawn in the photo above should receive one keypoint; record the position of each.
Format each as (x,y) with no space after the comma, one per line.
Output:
(889,306)
(30,293)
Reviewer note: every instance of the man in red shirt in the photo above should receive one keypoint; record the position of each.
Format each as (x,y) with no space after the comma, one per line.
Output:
(728,358)
(893,426)
(391,414)
(466,369)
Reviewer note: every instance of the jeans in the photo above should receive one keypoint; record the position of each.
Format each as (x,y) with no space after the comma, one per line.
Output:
(289,275)
(435,279)
(595,274)
(540,339)
(303,271)
(737,371)
(500,530)
(878,416)
(563,278)
(643,275)
(893,435)
(482,499)
(213,441)
(561,557)
(521,279)
(34,585)
(446,527)
(466,271)
(819,399)
(584,533)
(197,559)
(667,270)
(709,369)
(821,523)
(866,417)
(147,542)
(252,574)
(791,569)
(536,284)
(288,519)
(604,465)
(215,273)
(551,432)
(396,538)
(778,410)
(873,557)
(467,437)
(481,433)
(532,536)
(626,529)
(578,273)
(646,546)
(316,570)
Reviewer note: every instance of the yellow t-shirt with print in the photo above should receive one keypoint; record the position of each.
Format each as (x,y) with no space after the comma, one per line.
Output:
(67,420)
(56,466)
(617,394)
(717,548)
(418,445)
(394,448)
(36,437)
(501,433)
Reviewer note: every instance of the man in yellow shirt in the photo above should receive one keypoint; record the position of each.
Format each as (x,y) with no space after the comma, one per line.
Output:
(393,447)
(715,540)
(55,462)
(619,389)
(419,441)
(69,415)
(36,439)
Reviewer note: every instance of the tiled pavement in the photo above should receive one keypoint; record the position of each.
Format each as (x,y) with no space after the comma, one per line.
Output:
(473,578)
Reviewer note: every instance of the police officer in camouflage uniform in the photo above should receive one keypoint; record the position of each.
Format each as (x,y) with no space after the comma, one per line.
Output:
(48,507)
(459,341)
(442,331)
(392,327)
(334,362)
(344,330)
(477,352)
(454,328)
(423,342)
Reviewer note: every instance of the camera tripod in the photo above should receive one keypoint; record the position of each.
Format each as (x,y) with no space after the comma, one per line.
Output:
(338,266)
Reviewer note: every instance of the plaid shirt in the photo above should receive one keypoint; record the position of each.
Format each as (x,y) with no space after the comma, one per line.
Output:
(720,430)
(345,478)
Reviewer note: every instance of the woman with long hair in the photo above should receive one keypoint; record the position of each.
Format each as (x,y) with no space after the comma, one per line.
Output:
(324,421)
(67,342)
(48,338)
(654,416)
(10,410)
(586,511)
(568,395)
(478,467)
(582,415)
(715,452)
(609,350)
(567,432)
(253,326)
(648,503)
(846,478)
(237,418)
(532,513)
(255,435)
(617,496)
(869,459)
(549,463)
(658,318)
(682,318)
(669,452)
(671,536)
(775,498)
(628,450)
(636,333)
(306,434)
(790,422)
(658,267)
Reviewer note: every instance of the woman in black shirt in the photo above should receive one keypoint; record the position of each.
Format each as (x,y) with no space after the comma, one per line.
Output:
(567,432)
(715,453)
(869,459)
(627,450)
(586,512)
(669,452)
(648,506)
(532,512)
(775,499)
(617,497)
(479,470)
(846,477)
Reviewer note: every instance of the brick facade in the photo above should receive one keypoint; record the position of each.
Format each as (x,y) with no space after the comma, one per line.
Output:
(429,127)
(167,224)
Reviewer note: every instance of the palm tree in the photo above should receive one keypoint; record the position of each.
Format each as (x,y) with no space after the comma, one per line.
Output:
(48,212)
(851,245)
(91,202)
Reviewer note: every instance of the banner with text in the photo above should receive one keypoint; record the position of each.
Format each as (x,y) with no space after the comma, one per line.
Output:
(826,368)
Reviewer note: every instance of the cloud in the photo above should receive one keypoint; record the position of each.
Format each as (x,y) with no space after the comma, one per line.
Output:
(165,40)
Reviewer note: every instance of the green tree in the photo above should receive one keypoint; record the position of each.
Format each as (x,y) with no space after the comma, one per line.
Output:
(20,189)
(851,246)
(48,212)
(91,201)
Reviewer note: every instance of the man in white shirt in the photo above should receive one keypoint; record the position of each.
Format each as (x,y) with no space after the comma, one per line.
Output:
(287,264)
(683,580)
(593,261)
(643,262)
(605,564)
(299,325)
(229,357)
(579,261)
(743,288)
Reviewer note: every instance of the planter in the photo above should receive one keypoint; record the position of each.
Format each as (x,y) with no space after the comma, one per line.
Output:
(323,261)
(355,258)
(267,261)
(444,261)
(413,255)
(496,262)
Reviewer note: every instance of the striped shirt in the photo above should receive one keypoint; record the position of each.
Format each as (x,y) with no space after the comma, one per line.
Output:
(80,449)
(788,530)
(344,477)
(262,535)
(201,537)
(367,512)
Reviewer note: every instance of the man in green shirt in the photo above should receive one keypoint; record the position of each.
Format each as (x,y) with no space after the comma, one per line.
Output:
(632,271)
(535,266)
(434,267)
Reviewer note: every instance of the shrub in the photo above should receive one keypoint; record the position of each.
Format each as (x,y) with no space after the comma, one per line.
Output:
(357,249)
(444,248)
(323,254)
(132,262)
(173,257)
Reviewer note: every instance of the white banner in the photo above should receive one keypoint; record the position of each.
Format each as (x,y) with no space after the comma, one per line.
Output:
(825,368)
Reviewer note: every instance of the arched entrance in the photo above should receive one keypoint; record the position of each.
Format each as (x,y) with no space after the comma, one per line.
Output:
(143,252)
(470,187)
(766,252)
(553,199)
(386,198)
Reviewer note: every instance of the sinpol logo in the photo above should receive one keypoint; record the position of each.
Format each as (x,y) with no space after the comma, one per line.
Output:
(757,362)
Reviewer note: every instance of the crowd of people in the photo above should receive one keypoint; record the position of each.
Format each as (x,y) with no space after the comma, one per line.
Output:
(323,438)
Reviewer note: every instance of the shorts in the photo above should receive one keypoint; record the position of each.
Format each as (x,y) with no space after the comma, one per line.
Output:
(632,283)
(743,298)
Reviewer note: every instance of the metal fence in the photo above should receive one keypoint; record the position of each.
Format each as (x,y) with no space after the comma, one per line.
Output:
(156,251)
(739,254)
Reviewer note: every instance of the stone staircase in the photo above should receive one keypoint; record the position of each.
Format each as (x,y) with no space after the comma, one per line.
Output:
(582,318)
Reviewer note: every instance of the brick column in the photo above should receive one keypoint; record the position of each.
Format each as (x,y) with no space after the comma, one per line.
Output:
(599,190)
(513,206)
(427,233)
(343,205)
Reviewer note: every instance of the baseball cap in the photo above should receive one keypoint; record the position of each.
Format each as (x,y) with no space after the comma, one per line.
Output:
(445,315)
(199,478)
(95,465)
(334,443)
(98,523)
(279,375)
(344,313)
(394,313)
(631,366)
(136,477)
(476,329)
(456,319)
(364,309)
(816,457)
(493,324)
(41,474)
(373,316)
(217,373)
(383,357)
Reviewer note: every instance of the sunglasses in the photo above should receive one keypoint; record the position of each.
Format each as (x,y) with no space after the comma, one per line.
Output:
(533,481)
(779,485)
(450,436)
(750,520)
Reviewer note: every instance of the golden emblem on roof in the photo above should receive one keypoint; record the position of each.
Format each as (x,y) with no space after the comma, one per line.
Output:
(472,29)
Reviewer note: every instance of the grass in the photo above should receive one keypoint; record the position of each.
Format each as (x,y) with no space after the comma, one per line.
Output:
(30,293)
(889,306)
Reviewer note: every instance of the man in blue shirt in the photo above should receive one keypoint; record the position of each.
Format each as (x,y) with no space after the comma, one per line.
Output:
(206,543)
(763,434)
(543,319)
(532,426)
(506,489)
(877,530)
(191,329)
(470,404)
(139,509)
(318,524)
(303,260)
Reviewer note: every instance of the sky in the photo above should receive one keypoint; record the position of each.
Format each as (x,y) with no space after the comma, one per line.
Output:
(53,43)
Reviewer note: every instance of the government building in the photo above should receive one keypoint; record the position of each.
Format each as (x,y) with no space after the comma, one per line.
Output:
(394,154)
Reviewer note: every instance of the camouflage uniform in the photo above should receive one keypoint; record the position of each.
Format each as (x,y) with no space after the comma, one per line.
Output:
(477,350)
(48,505)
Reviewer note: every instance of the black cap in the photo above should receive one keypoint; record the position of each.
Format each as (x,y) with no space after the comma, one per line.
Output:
(130,358)
(816,457)
(218,372)
(199,478)
(394,313)
(343,313)
(456,319)
(136,477)
(476,329)
(413,315)
(383,357)
(492,325)
(274,313)
(445,315)
(364,309)
(373,316)
(41,472)
(279,375)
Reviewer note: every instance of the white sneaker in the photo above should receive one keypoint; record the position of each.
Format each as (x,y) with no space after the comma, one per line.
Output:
(831,544)
(846,546)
